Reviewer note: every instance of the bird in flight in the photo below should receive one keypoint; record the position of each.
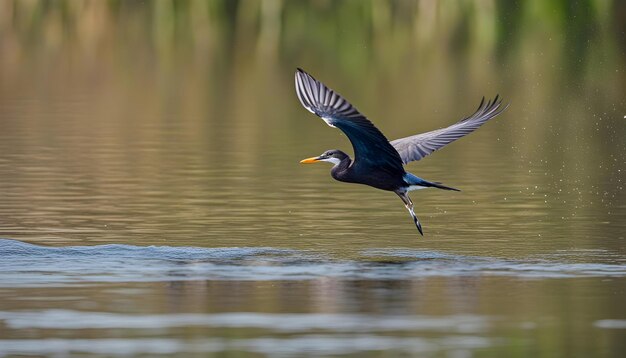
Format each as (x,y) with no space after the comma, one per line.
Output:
(377,161)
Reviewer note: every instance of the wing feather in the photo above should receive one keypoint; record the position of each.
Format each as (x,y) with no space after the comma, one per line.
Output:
(371,147)
(418,146)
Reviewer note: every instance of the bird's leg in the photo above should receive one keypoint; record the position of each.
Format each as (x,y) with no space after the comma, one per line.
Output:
(409,206)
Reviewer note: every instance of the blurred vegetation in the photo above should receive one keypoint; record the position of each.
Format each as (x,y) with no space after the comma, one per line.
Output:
(356,35)
(451,44)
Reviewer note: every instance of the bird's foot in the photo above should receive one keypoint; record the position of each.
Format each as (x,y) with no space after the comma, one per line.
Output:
(417,222)
(419,226)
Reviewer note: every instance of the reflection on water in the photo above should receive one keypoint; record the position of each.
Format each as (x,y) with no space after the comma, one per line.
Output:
(314,345)
(345,323)
(280,302)
(149,173)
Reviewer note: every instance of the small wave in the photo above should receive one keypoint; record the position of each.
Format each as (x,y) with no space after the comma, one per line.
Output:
(28,265)
(294,346)
(280,322)
(22,249)
(611,323)
(543,266)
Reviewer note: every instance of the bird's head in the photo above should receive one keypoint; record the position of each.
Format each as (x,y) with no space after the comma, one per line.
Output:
(333,156)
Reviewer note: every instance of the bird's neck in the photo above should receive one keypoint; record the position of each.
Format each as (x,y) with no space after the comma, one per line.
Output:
(341,171)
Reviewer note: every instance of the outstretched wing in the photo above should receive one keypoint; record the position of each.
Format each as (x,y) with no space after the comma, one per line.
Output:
(418,146)
(371,148)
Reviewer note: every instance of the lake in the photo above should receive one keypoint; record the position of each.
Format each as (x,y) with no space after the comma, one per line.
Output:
(152,202)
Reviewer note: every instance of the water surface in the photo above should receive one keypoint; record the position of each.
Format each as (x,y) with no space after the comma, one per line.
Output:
(145,300)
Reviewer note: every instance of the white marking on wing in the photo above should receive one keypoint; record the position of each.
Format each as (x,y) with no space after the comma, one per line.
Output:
(328,121)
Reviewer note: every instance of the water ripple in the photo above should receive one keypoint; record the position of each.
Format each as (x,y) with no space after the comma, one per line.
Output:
(314,345)
(28,265)
(283,322)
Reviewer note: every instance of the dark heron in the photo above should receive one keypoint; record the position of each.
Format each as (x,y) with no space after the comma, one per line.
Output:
(377,161)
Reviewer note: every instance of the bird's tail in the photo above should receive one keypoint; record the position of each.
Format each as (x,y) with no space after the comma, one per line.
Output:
(416,182)
(441,186)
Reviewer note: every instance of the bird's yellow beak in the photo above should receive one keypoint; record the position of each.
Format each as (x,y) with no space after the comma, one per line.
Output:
(310,160)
